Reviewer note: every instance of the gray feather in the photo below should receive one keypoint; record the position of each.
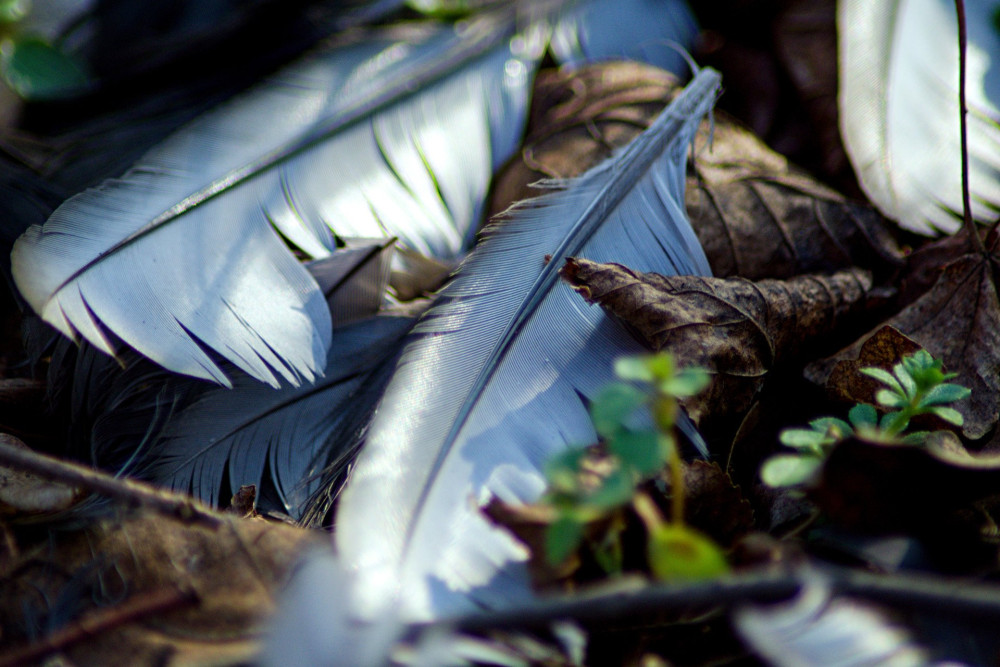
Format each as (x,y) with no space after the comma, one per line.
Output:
(495,379)
(393,136)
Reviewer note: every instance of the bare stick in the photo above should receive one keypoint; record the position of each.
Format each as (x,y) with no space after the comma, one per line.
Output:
(963,112)
(14,455)
(98,622)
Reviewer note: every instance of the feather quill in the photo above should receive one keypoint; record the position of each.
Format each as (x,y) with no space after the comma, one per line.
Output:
(495,378)
(391,136)
(899,108)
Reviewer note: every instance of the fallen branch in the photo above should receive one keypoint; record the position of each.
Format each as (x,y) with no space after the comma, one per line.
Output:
(98,622)
(130,492)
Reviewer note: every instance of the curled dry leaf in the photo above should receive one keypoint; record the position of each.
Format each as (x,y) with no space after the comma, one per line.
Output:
(847,384)
(736,329)
(224,577)
(805,43)
(957,321)
(755,215)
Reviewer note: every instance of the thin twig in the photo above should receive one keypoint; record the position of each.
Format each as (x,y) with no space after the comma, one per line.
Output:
(910,592)
(963,111)
(97,622)
(14,455)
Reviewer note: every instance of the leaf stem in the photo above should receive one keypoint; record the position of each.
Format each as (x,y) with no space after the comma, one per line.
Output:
(963,111)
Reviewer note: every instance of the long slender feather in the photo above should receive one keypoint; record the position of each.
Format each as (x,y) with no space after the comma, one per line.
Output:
(496,377)
(391,136)
(899,108)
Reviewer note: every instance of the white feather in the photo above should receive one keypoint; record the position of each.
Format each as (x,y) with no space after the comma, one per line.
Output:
(899,108)
(495,379)
(389,137)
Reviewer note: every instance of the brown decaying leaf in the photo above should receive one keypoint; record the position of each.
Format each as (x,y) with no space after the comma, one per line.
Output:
(226,575)
(735,329)
(755,215)
(884,349)
(957,321)
(805,42)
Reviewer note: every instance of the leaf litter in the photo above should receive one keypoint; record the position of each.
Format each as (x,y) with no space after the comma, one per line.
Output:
(787,249)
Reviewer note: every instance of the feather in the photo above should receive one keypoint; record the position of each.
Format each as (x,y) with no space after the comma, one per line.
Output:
(899,108)
(495,378)
(253,434)
(819,629)
(390,136)
(193,436)
(650,31)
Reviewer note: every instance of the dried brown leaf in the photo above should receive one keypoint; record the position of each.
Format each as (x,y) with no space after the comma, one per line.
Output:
(755,215)
(957,321)
(735,329)
(884,349)
(223,576)
(805,43)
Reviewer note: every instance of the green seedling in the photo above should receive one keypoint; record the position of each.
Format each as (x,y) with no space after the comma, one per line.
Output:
(916,386)
(33,67)
(587,491)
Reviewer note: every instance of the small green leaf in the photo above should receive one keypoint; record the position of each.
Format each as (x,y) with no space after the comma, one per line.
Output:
(800,438)
(789,470)
(37,71)
(884,377)
(890,399)
(12,11)
(441,9)
(561,470)
(612,407)
(687,382)
(615,491)
(661,365)
(562,538)
(639,450)
(894,422)
(916,438)
(902,374)
(950,415)
(679,553)
(863,414)
(634,368)
(837,429)
(608,551)
(944,393)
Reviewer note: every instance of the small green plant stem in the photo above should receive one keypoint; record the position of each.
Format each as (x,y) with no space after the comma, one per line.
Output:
(647,511)
(677,484)
(666,413)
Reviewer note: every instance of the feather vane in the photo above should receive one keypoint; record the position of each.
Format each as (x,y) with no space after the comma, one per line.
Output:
(899,108)
(390,137)
(495,378)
